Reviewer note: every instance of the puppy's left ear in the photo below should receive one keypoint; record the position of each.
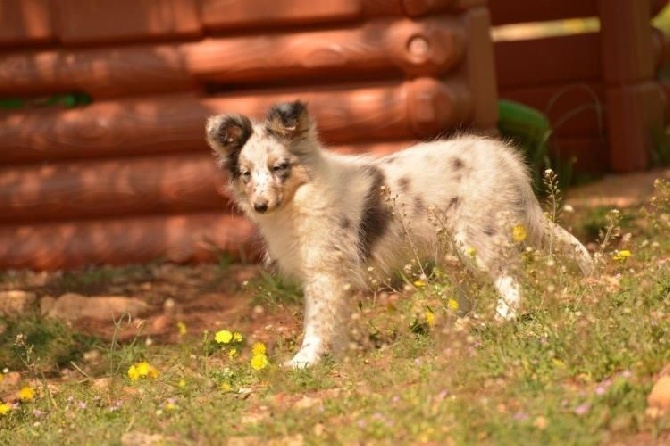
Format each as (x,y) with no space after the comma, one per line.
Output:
(289,120)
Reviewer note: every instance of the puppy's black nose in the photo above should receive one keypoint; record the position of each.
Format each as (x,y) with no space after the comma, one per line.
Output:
(261,208)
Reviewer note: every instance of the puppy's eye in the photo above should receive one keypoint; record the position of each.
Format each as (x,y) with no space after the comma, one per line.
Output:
(245,176)
(279,168)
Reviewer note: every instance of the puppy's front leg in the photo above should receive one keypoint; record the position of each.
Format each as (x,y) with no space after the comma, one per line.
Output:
(326,318)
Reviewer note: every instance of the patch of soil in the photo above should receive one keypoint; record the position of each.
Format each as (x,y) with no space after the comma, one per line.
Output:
(202,297)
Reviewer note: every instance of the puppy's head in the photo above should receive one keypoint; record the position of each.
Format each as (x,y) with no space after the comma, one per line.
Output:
(266,161)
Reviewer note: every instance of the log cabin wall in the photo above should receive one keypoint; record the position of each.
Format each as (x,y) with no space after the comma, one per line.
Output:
(599,89)
(128,178)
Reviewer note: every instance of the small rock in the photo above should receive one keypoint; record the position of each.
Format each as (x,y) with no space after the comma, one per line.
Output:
(91,356)
(660,394)
(14,302)
(72,307)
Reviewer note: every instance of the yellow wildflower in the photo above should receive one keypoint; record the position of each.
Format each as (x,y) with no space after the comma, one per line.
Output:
(259,362)
(232,353)
(181,383)
(4,408)
(452,303)
(181,328)
(519,233)
(142,370)
(622,255)
(258,349)
(223,336)
(26,394)
(237,336)
(430,318)
(419,283)
(133,374)
(470,251)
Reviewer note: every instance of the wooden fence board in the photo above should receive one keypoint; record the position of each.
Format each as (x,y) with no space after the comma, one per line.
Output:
(553,60)
(522,11)
(177,238)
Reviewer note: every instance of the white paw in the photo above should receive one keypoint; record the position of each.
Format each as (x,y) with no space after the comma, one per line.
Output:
(309,354)
(304,358)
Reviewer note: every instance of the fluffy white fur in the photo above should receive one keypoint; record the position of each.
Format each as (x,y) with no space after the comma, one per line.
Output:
(331,220)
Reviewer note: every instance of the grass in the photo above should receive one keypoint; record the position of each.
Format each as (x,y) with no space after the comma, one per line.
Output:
(575,369)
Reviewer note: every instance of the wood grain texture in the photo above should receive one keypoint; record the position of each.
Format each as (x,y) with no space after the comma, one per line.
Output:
(174,123)
(25,22)
(385,48)
(241,14)
(83,22)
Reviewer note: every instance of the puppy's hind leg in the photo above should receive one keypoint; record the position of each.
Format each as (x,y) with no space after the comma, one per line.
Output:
(494,256)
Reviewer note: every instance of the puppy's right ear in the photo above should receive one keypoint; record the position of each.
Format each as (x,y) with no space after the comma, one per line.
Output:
(227,134)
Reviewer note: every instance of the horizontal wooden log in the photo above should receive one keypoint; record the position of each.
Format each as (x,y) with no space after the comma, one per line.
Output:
(123,186)
(385,48)
(147,185)
(554,60)
(237,14)
(523,11)
(573,109)
(174,123)
(179,239)
(126,20)
(25,22)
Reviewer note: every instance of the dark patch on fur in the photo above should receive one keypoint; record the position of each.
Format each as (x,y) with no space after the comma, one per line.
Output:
(288,119)
(390,159)
(456,163)
(419,206)
(403,184)
(232,133)
(489,230)
(345,222)
(453,203)
(376,215)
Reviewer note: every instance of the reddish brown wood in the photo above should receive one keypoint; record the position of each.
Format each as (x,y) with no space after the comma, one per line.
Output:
(179,238)
(164,124)
(126,20)
(236,14)
(522,11)
(147,185)
(636,118)
(386,48)
(626,41)
(555,60)
(24,22)
(478,70)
